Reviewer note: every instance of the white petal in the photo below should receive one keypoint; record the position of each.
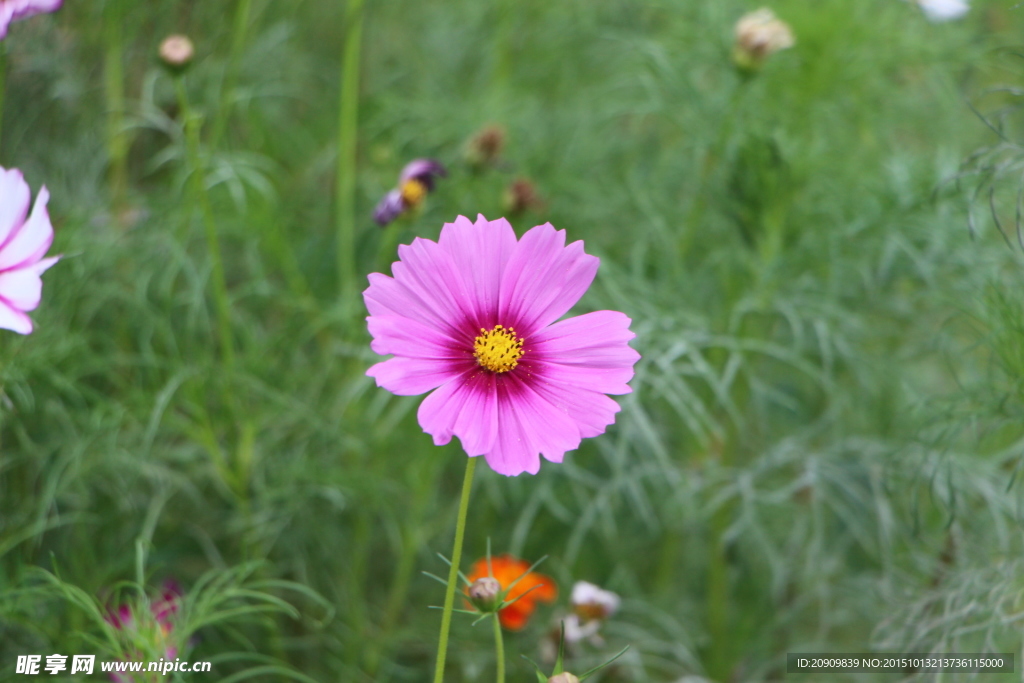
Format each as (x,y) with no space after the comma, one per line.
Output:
(29,244)
(944,10)
(11,319)
(14,193)
(22,288)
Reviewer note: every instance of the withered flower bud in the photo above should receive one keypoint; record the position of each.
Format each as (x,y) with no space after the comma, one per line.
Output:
(485,147)
(521,196)
(176,52)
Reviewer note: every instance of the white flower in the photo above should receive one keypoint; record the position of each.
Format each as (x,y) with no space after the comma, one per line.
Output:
(592,602)
(944,10)
(24,240)
(575,631)
(758,35)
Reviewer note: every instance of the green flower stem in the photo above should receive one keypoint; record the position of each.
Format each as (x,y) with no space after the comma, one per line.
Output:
(3,90)
(198,177)
(712,157)
(348,122)
(718,665)
(499,649)
(113,82)
(239,32)
(503,42)
(386,253)
(453,572)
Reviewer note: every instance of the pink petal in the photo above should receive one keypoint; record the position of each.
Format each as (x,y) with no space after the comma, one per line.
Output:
(401,336)
(6,15)
(426,286)
(427,269)
(589,351)
(466,407)
(30,243)
(544,279)
(480,252)
(529,426)
(413,376)
(14,192)
(592,412)
(13,319)
(26,8)
(387,296)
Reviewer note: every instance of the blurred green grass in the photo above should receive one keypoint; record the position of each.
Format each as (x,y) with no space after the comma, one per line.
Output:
(820,452)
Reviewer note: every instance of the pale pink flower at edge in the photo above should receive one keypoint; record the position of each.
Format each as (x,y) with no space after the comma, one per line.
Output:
(13,10)
(472,318)
(23,243)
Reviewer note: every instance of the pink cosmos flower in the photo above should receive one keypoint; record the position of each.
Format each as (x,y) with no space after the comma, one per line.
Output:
(23,243)
(13,10)
(158,628)
(472,317)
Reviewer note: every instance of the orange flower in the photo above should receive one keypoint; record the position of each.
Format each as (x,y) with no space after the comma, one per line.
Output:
(533,588)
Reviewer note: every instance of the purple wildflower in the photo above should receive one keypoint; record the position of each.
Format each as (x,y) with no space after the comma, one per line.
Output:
(414,183)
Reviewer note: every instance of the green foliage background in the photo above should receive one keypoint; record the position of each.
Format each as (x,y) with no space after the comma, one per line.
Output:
(822,447)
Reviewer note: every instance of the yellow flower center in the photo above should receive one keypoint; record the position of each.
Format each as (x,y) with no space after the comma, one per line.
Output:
(413,192)
(498,350)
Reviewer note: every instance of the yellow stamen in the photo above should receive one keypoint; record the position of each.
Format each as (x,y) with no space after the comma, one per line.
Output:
(498,350)
(413,192)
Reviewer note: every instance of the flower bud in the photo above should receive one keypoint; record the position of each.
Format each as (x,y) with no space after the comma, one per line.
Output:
(177,52)
(484,148)
(758,35)
(485,594)
(564,677)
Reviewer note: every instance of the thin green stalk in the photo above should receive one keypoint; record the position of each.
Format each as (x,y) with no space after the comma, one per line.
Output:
(712,157)
(503,42)
(220,288)
(499,649)
(239,33)
(348,123)
(453,572)
(357,566)
(718,597)
(386,253)
(3,90)
(424,493)
(113,80)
